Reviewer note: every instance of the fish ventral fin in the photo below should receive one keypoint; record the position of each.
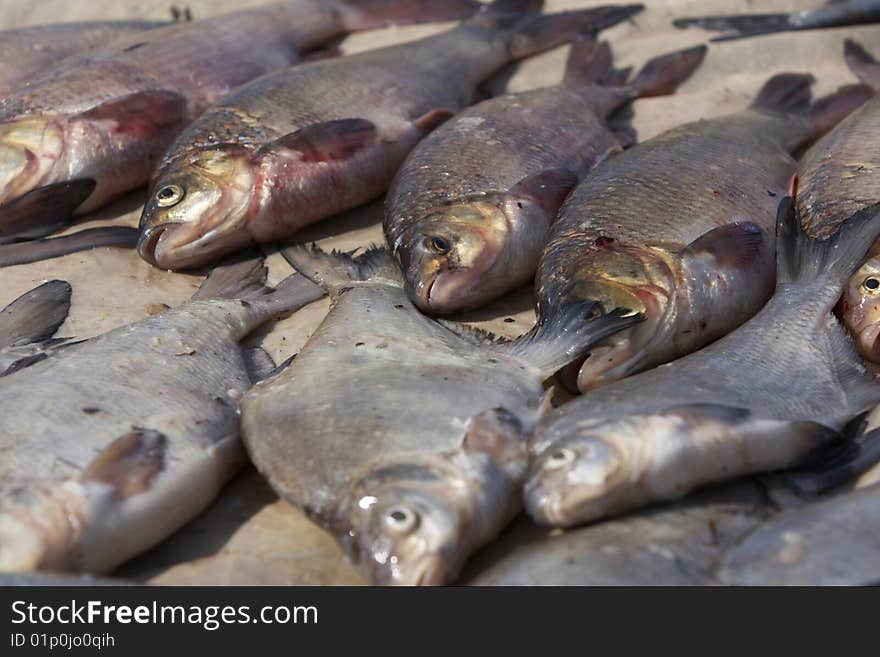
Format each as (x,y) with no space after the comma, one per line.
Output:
(258,363)
(43,210)
(564,335)
(36,314)
(862,63)
(327,141)
(733,245)
(334,270)
(130,463)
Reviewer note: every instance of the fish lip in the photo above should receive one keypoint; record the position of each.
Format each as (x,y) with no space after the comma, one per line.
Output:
(146,246)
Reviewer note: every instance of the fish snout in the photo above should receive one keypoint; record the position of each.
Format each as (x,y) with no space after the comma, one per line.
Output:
(148,242)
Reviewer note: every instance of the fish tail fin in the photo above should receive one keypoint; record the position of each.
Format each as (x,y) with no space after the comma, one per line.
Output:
(862,63)
(789,93)
(245,279)
(802,259)
(335,270)
(662,75)
(534,34)
(371,14)
(557,339)
(36,314)
(785,93)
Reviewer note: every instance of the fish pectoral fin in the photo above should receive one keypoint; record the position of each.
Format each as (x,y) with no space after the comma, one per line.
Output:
(43,210)
(547,189)
(837,462)
(36,314)
(258,363)
(732,245)
(137,112)
(433,119)
(328,141)
(130,463)
(499,434)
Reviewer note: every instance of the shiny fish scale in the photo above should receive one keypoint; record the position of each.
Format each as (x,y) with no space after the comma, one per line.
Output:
(146,378)
(410,387)
(840,174)
(454,161)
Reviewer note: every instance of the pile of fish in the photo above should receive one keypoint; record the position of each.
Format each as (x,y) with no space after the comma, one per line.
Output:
(692,405)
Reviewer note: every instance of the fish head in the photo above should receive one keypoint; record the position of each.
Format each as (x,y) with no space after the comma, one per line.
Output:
(197,209)
(404,525)
(454,259)
(641,282)
(577,474)
(30,149)
(860,309)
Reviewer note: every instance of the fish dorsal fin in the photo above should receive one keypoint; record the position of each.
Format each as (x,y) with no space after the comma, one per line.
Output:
(784,93)
(472,334)
(336,270)
(734,245)
(135,112)
(862,63)
(547,189)
(130,463)
(433,119)
(589,62)
(327,141)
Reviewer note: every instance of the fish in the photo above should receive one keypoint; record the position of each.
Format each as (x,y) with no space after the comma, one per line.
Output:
(835,13)
(832,542)
(726,411)
(20,253)
(113,443)
(402,436)
(680,229)
(469,211)
(25,52)
(28,323)
(302,144)
(838,176)
(95,126)
(674,544)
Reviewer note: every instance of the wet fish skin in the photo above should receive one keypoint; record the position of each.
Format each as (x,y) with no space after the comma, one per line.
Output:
(300,145)
(727,410)
(469,211)
(410,437)
(679,229)
(26,52)
(113,443)
(63,127)
(832,542)
(29,321)
(674,544)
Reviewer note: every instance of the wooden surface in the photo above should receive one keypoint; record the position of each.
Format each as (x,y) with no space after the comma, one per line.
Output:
(250,536)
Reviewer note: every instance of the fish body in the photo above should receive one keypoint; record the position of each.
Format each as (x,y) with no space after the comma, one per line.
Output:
(302,144)
(113,443)
(96,125)
(402,437)
(27,324)
(676,544)
(469,211)
(832,542)
(679,229)
(26,52)
(727,410)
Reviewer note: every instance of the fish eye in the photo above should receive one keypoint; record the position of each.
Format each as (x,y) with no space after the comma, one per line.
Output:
(437,244)
(871,285)
(169,195)
(401,519)
(560,458)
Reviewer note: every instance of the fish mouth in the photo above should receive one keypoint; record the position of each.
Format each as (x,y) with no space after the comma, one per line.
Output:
(148,241)
(180,245)
(445,292)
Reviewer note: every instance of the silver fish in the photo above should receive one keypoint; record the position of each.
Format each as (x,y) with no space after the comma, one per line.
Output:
(111,444)
(402,436)
(728,410)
